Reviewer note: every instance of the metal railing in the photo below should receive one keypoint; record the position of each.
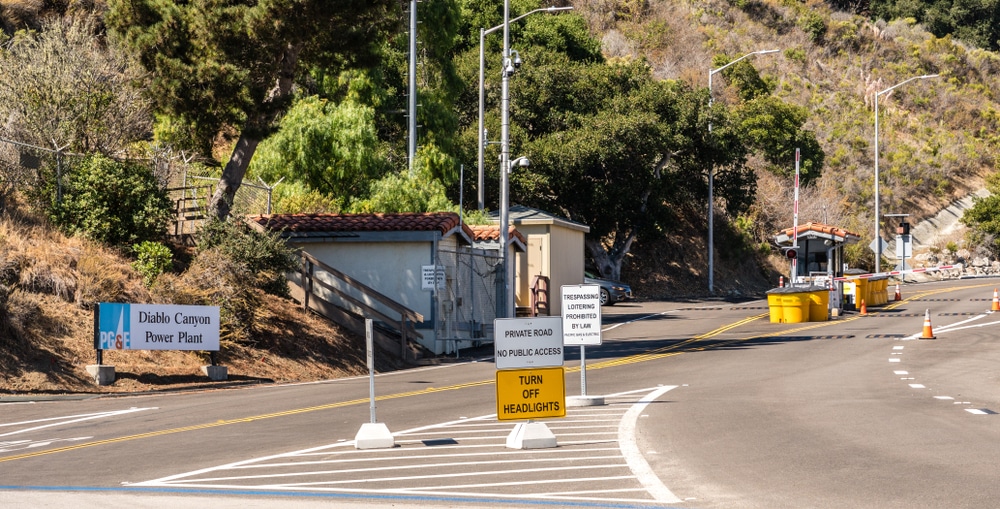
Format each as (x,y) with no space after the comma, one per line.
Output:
(317,278)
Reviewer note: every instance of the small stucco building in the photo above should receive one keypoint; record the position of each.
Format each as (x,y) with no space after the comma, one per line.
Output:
(426,264)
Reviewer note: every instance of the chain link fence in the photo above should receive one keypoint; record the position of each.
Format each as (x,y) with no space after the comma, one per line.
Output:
(26,166)
(23,166)
(467,303)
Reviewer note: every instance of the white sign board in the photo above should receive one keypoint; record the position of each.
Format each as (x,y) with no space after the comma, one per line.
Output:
(528,342)
(581,314)
(904,247)
(156,327)
(432,277)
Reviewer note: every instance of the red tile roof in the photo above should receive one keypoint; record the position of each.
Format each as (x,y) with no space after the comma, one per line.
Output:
(826,229)
(491,233)
(443,222)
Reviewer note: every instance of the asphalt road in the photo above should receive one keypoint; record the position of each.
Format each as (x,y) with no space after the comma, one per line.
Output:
(708,405)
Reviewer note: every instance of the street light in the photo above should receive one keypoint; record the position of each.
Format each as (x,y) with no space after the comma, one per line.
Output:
(482,99)
(878,235)
(711,173)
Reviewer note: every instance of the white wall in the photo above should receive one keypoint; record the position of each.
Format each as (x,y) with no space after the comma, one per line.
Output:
(391,268)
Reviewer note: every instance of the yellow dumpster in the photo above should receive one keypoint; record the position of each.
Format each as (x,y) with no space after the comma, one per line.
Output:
(819,305)
(862,292)
(795,307)
(774,305)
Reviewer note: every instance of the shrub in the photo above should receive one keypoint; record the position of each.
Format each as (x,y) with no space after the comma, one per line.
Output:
(152,259)
(216,279)
(265,256)
(112,202)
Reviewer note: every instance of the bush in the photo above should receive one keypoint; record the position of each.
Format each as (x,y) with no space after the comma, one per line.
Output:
(216,279)
(112,202)
(152,259)
(265,256)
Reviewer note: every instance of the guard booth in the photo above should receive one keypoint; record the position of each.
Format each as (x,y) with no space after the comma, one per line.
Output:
(819,257)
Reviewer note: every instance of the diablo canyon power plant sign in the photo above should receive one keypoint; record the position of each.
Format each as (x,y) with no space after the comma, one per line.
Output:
(156,327)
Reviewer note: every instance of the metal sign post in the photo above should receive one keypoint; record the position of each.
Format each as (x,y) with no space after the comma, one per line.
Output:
(372,435)
(581,319)
(370,347)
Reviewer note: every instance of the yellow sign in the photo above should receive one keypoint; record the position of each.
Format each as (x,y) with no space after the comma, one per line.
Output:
(524,394)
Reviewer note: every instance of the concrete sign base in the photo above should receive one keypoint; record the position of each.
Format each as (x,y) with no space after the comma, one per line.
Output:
(576,401)
(103,374)
(374,435)
(531,435)
(216,373)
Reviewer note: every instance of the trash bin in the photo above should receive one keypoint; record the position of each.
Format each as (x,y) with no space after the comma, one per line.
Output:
(819,305)
(862,292)
(883,291)
(795,307)
(774,305)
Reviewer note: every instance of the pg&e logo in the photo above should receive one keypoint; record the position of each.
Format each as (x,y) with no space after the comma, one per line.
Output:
(114,326)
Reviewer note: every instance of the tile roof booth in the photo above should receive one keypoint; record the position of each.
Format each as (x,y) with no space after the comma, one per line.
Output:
(427,263)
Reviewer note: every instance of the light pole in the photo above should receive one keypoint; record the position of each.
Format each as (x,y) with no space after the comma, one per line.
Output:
(482,99)
(878,235)
(711,174)
(508,292)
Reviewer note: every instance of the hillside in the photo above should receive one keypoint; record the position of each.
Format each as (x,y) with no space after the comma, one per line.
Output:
(937,136)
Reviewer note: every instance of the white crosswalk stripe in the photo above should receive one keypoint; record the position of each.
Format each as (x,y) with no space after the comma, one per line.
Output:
(596,460)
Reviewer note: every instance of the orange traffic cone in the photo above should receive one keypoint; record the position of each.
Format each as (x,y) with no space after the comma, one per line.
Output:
(864,308)
(927,332)
(996,301)
(898,296)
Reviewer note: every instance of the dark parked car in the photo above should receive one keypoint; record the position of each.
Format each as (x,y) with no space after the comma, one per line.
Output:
(611,291)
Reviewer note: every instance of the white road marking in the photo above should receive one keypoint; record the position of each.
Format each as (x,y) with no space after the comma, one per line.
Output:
(918,386)
(638,464)
(20,445)
(654,315)
(955,326)
(69,419)
(592,441)
(894,359)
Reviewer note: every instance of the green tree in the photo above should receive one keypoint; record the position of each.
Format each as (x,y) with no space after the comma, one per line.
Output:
(397,192)
(983,218)
(775,129)
(615,149)
(113,202)
(217,65)
(332,148)
(64,87)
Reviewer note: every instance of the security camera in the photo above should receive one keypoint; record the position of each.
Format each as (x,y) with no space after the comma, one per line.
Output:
(508,69)
(523,162)
(517,59)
